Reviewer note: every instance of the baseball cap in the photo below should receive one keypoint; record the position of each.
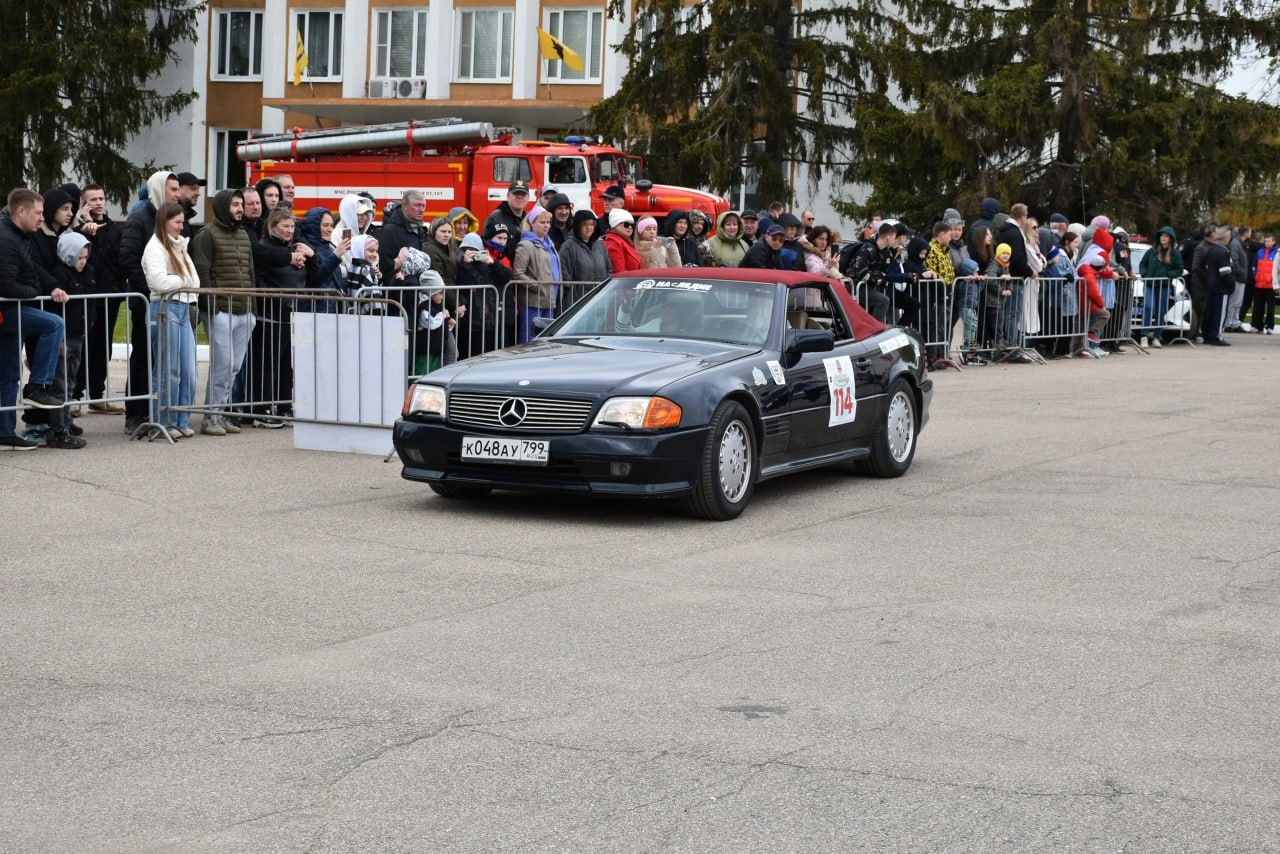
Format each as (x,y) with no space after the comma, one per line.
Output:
(364,206)
(613,191)
(775,229)
(750,215)
(550,188)
(518,187)
(188,179)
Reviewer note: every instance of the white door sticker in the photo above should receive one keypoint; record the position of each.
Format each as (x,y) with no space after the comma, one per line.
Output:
(776,369)
(758,376)
(844,403)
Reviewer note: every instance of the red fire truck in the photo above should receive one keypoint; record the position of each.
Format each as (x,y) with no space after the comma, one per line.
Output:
(457,164)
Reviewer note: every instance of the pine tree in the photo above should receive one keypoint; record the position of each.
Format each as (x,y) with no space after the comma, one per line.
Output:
(712,91)
(1078,106)
(74,87)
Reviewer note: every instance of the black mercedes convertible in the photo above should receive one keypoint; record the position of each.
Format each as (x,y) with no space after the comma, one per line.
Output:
(692,384)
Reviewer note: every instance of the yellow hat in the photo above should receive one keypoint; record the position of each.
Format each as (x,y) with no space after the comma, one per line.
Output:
(1003,249)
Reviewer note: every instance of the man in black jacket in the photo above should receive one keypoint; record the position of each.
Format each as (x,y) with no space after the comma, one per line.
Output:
(1012,233)
(1221,281)
(162,188)
(866,266)
(104,236)
(19,281)
(766,253)
(511,213)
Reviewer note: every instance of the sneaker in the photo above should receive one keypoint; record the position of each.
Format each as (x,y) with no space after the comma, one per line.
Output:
(38,433)
(1021,359)
(212,425)
(228,426)
(1144,342)
(1217,342)
(1244,327)
(76,411)
(1093,338)
(973,359)
(106,408)
(1268,331)
(268,423)
(41,397)
(1157,343)
(17,443)
(1083,355)
(64,440)
(76,429)
(177,433)
(133,422)
(187,432)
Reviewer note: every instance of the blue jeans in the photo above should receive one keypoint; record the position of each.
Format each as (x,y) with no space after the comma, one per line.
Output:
(968,292)
(49,329)
(1011,312)
(173,371)
(1155,302)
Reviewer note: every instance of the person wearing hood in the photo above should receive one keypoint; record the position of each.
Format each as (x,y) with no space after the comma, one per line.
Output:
(676,227)
(464,222)
(317,232)
(1159,267)
(73,277)
(727,246)
(223,256)
(355,215)
(792,251)
(584,256)
(537,268)
(561,219)
(439,248)
(270,193)
(1095,264)
(700,230)
(59,209)
(139,228)
(987,210)
(477,330)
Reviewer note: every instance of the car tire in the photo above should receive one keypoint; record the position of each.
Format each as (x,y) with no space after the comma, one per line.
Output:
(894,445)
(453,490)
(727,470)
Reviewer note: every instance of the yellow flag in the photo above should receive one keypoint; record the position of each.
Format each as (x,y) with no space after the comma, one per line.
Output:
(555,50)
(299,61)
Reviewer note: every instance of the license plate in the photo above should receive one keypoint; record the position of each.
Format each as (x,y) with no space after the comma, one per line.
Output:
(532,452)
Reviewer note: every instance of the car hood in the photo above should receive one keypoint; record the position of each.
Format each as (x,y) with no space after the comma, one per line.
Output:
(588,366)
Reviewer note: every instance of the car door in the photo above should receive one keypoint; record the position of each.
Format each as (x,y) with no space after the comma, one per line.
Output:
(825,394)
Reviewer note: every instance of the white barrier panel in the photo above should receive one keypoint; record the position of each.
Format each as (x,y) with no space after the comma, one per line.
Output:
(348,368)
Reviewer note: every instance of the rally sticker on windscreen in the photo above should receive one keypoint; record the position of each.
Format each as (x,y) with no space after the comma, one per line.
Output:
(844,403)
(668,285)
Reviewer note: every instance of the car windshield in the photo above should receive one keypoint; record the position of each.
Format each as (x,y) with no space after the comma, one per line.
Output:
(708,310)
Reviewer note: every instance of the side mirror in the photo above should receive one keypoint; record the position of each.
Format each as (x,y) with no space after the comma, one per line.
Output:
(808,341)
(541,323)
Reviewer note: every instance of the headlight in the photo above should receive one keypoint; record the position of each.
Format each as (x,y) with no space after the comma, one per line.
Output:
(424,400)
(638,413)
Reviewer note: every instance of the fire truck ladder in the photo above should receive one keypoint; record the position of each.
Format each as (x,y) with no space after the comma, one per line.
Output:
(304,143)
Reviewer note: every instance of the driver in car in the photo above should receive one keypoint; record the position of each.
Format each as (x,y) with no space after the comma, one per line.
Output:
(677,317)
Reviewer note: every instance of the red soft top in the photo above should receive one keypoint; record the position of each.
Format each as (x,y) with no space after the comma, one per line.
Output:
(863,324)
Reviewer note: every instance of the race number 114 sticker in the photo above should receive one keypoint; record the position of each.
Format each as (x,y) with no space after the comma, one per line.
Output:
(844,403)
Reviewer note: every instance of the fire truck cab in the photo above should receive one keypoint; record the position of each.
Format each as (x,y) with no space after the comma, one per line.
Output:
(458,164)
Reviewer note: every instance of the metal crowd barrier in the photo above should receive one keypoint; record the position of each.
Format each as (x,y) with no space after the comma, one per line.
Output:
(1118,298)
(82,376)
(515,298)
(1064,319)
(925,304)
(478,322)
(255,377)
(1151,309)
(994,318)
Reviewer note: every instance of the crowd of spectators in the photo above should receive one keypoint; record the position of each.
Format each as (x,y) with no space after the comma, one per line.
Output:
(1002,280)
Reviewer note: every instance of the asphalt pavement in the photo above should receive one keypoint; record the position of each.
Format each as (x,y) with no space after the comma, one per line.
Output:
(1058,632)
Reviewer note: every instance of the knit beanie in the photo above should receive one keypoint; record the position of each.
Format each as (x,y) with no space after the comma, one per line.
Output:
(1004,249)
(647,222)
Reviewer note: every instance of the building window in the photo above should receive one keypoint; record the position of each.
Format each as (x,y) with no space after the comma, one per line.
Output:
(484,45)
(582,30)
(322,36)
(228,170)
(237,44)
(400,46)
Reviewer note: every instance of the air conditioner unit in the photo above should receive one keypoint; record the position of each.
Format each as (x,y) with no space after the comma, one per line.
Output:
(411,87)
(382,88)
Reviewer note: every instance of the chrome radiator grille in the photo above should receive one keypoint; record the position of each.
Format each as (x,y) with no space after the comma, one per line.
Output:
(513,412)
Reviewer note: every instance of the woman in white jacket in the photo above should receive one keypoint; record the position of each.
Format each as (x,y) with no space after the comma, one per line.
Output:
(169,269)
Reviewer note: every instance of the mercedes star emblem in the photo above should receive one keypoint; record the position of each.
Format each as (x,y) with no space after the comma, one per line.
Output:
(512,412)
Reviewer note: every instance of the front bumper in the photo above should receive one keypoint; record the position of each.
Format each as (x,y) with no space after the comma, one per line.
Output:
(661,464)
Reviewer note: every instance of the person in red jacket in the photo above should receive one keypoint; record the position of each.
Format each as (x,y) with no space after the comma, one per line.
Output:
(622,252)
(1093,265)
